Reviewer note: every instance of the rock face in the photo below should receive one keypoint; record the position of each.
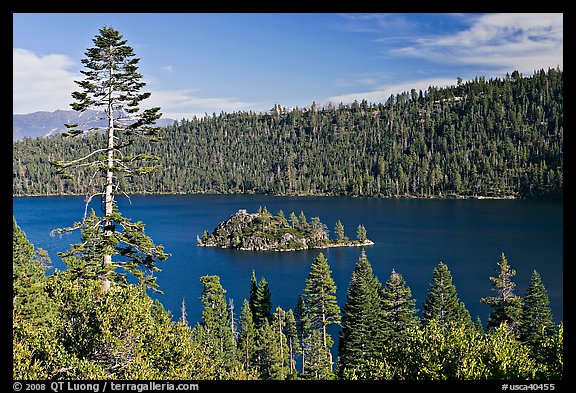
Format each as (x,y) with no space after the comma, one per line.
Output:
(263,231)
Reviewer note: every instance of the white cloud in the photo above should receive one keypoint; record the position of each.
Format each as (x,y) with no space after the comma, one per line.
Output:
(41,83)
(382,93)
(177,104)
(45,83)
(524,42)
(168,69)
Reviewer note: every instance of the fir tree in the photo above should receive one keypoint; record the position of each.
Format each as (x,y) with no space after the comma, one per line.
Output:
(246,337)
(320,302)
(29,298)
(279,328)
(302,327)
(361,319)
(536,318)
(442,302)
(291,333)
(262,303)
(215,321)
(302,221)
(112,84)
(398,309)
(317,363)
(253,291)
(269,357)
(506,306)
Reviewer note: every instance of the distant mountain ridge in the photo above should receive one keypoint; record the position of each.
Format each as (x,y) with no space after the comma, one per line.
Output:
(44,124)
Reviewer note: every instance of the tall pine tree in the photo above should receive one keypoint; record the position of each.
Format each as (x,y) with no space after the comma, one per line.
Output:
(113,86)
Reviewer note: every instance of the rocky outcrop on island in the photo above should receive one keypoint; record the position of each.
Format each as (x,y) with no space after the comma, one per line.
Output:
(264,231)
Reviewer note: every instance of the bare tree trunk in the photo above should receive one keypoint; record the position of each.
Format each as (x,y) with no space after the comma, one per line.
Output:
(303,356)
(280,335)
(231,307)
(107,259)
(291,357)
(324,335)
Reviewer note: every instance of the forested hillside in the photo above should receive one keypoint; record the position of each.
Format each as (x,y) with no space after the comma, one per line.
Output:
(491,138)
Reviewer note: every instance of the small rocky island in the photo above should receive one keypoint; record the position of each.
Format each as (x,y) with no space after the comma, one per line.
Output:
(264,231)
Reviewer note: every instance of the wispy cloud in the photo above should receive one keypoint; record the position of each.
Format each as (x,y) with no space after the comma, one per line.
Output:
(526,42)
(377,23)
(41,83)
(169,69)
(382,93)
(177,104)
(486,43)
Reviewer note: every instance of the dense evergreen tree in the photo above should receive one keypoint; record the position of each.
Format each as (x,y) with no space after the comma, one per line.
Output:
(361,319)
(215,327)
(253,292)
(553,348)
(442,302)
(321,306)
(317,363)
(302,327)
(398,310)
(291,333)
(29,297)
(269,359)
(247,337)
(262,303)
(499,137)
(506,305)
(536,317)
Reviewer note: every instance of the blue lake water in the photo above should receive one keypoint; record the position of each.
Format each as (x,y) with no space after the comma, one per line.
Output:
(411,236)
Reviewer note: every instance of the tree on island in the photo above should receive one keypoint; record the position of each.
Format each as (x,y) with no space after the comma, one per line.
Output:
(361,233)
(112,84)
(339,231)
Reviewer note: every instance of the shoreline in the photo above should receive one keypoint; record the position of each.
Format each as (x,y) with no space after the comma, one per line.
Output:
(356,243)
(462,197)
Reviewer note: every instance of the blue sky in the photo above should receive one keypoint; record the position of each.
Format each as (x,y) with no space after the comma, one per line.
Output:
(197,63)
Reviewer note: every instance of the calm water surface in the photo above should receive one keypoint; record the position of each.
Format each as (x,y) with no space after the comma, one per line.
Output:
(411,236)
